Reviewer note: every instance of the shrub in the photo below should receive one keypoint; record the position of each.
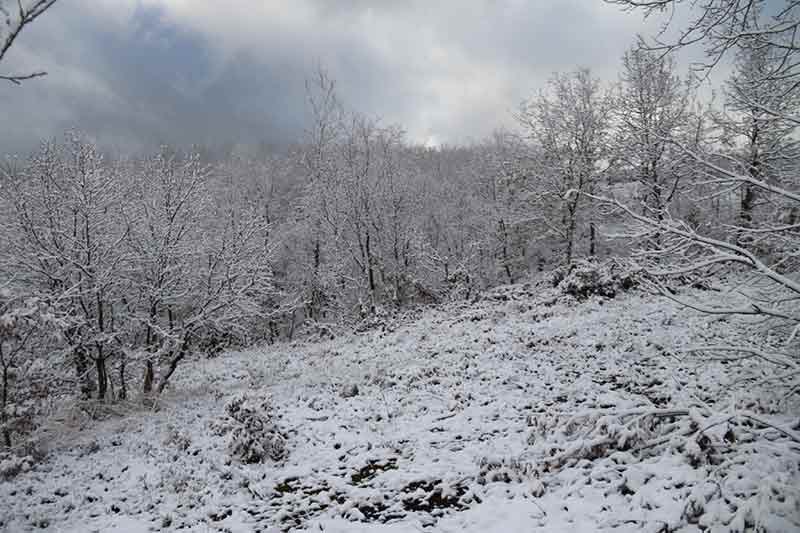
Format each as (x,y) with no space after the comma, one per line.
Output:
(254,436)
(12,465)
(587,278)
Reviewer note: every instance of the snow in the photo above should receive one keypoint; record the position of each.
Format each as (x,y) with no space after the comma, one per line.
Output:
(457,423)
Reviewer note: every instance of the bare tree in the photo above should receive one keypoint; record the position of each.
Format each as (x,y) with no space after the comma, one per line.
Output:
(651,110)
(269,184)
(502,216)
(359,204)
(163,223)
(763,137)
(568,126)
(199,268)
(320,161)
(63,240)
(452,222)
(18,324)
(16,15)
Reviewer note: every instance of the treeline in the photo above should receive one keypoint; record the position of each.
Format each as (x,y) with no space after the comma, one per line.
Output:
(115,270)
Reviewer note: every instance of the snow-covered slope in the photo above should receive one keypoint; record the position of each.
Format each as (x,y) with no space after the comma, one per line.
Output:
(525,411)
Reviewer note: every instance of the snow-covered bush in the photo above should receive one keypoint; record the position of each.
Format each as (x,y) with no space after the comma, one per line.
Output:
(588,277)
(313,331)
(252,432)
(459,285)
(11,465)
(177,438)
(504,470)
(699,434)
(379,319)
(26,381)
(386,319)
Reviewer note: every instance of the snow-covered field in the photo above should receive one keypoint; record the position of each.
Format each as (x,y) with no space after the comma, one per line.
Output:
(524,411)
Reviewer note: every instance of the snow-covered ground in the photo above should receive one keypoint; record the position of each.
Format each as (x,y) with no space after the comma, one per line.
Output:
(524,411)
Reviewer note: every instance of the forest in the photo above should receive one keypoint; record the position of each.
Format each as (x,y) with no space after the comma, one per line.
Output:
(122,276)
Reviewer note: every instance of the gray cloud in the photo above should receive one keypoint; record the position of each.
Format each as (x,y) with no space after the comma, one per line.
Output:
(133,73)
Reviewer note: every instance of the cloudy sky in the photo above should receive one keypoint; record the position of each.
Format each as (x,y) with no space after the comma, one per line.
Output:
(133,73)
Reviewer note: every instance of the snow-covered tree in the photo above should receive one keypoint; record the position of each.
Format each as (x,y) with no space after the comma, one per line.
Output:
(760,125)
(27,325)
(502,214)
(269,184)
(359,209)
(651,111)
(63,239)
(568,126)
(200,263)
(164,234)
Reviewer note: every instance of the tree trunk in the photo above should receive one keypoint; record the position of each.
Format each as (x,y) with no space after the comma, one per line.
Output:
(292,325)
(398,295)
(748,198)
(655,241)
(315,304)
(147,386)
(173,364)
(746,205)
(370,275)
(123,386)
(506,259)
(4,413)
(570,237)
(82,372)
(102,378)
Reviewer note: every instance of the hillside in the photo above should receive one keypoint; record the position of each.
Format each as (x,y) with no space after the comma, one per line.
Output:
(526,410)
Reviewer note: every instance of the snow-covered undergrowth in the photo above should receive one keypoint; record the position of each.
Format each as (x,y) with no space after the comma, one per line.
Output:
(525,411)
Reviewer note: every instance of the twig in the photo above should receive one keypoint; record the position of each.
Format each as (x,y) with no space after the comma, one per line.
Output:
(18,79)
